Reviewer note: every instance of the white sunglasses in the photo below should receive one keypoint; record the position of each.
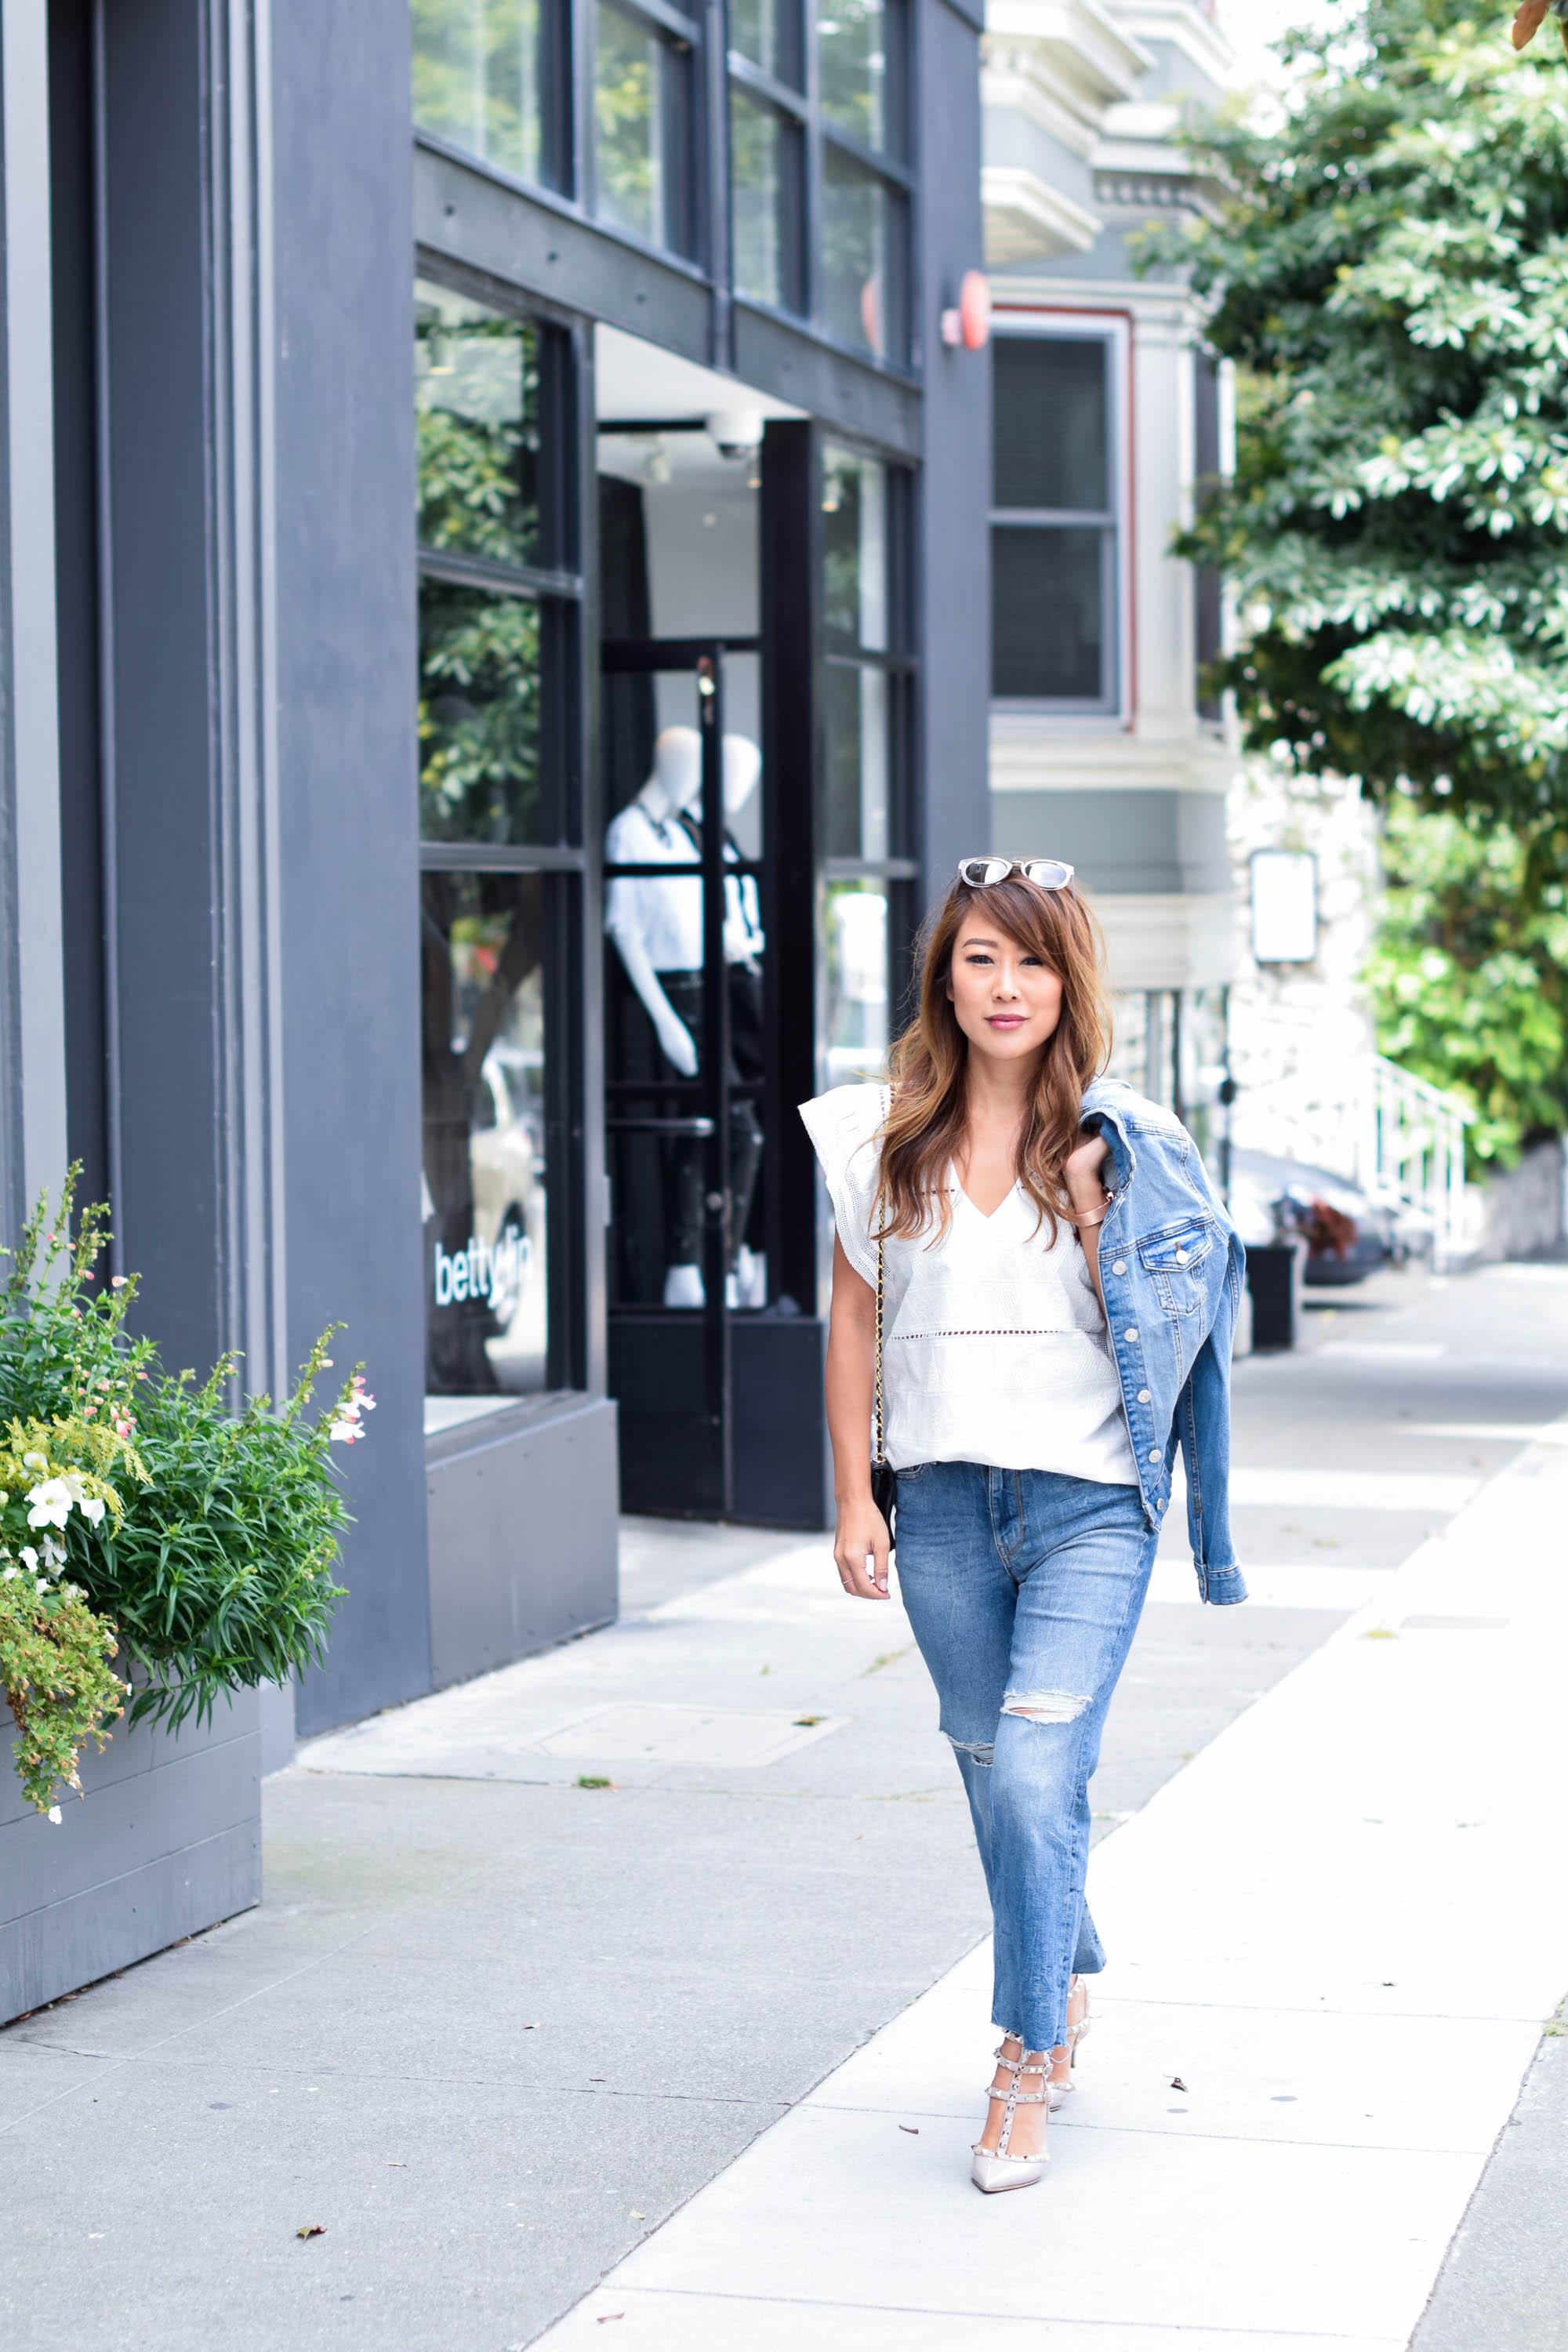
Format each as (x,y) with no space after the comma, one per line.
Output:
(1047,873)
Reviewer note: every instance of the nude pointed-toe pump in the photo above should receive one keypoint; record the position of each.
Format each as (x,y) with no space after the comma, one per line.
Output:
(993,2169)
(1057,2092)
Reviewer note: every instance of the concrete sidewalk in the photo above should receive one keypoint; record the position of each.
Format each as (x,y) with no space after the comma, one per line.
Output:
(1304,2056)
(496,2023)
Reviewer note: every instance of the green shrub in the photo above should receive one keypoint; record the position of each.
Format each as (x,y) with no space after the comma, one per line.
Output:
(1469,971)
(219,1575)
(211,1560)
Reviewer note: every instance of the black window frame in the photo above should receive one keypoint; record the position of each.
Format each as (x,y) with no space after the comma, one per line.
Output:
(891,167)
(898,871)
(684,140)
(560,147)
(557,585)
(1110,521)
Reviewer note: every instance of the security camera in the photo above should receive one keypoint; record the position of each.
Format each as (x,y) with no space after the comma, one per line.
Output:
(737,432)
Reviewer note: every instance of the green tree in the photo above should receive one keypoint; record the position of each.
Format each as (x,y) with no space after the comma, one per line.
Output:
(1469,974)
(1390,271)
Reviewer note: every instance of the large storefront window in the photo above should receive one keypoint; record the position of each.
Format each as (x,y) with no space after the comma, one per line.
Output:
(488,76)
(476,396)
(766,176)
(483,1026)
(857,960)
(864,236)
(849,272)
(643,126)
(867,687)
(862,690)
(497,619)
(479,715)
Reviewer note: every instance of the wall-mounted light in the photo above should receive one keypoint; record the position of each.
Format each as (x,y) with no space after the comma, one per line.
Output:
(967,326)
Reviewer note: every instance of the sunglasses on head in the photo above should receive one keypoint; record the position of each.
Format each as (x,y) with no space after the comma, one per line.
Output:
(1045,873)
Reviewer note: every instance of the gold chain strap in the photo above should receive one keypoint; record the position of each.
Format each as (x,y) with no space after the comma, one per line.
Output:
(880,1454)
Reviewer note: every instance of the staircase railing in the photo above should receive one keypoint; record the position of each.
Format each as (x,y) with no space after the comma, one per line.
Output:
(1396,1137)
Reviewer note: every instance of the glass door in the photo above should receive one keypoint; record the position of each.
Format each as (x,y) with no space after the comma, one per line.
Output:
(684,947)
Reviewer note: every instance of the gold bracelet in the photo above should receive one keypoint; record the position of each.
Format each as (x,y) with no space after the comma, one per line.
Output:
(1088,1224)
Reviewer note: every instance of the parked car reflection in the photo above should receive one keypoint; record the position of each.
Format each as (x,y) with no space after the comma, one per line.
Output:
(1348,1235)
(506,1157)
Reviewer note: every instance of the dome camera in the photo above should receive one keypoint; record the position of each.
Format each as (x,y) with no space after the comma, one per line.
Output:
(737,432)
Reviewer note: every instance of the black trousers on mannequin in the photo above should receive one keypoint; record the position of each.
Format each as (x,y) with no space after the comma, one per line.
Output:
(683,1178)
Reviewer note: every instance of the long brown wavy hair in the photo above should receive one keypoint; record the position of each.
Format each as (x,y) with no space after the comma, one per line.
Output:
(927,1064)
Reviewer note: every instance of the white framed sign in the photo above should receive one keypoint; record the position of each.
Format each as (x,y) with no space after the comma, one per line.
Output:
(1284,905)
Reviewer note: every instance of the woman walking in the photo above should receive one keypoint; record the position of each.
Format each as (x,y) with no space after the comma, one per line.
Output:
(1034,1293)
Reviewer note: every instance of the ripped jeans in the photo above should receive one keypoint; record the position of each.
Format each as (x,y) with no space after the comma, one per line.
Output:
(1024,1588)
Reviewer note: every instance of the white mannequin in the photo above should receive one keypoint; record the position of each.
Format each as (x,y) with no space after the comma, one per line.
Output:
(656,924)
(742,928)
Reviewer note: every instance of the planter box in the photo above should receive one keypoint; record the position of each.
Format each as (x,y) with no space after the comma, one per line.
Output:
(167,1841)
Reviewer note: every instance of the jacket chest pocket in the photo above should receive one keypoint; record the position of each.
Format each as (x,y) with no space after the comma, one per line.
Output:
(1174,1259)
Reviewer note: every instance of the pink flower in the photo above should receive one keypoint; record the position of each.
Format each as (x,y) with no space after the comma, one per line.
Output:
(117,1282)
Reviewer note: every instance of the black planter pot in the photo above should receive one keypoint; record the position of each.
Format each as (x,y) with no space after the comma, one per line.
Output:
(1275,1274)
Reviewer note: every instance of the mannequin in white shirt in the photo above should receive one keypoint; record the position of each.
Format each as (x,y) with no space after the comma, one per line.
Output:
(657,925)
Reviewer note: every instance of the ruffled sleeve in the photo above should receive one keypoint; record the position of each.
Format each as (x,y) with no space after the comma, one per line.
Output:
(843,1128)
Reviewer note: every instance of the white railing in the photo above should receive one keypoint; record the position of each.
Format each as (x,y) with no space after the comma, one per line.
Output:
(1395,1136)
(1413,1152)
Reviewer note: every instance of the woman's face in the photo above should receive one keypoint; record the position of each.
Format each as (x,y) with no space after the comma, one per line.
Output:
(1007,1000)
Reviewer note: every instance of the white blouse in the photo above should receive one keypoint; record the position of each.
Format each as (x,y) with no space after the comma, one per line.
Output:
(994,1347)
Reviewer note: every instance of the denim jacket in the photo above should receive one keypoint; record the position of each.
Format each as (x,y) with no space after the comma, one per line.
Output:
(1172,1269)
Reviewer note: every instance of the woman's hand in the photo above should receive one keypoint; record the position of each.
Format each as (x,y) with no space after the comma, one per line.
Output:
(862,1544)
(1084,1172)
(861,1549)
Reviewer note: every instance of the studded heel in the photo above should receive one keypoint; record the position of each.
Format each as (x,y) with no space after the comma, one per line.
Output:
(1057,2092)
(993,2169)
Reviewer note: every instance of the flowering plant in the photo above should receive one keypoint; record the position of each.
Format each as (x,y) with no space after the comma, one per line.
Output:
(55,1651)
(140,1512)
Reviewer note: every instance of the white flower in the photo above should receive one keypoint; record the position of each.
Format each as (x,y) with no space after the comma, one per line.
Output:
(51,1502)
(29,1558)
(92,1510)
(7,1573)
(55,1815)
(343,1429)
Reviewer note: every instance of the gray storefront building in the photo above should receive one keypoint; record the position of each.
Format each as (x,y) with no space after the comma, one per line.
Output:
(495,657)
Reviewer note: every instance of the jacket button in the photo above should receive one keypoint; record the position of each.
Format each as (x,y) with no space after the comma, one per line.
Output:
(1131,1332)
(1144,1396)
(1153,1453)
(1120,1267)
(1181,1257)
